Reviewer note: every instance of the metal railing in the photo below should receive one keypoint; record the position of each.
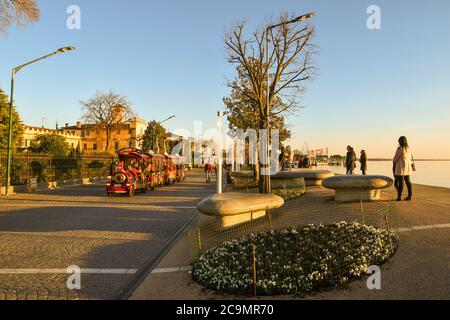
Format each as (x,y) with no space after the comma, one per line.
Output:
(46,168)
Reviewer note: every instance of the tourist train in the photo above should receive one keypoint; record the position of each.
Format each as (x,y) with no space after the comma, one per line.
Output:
(136,171)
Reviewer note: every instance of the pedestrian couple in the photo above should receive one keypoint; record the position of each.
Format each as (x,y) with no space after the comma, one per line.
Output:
(350,162)
(403,166)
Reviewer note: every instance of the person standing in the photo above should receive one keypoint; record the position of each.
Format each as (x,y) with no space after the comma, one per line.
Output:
(300,162)
(306,162)
(363,161)
(350,162)
(280,158)
(403,168)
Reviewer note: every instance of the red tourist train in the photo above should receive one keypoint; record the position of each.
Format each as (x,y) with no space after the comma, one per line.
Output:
(135,170)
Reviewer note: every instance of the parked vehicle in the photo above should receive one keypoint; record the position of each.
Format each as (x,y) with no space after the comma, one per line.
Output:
(171,169)
(134,170)
(156,170)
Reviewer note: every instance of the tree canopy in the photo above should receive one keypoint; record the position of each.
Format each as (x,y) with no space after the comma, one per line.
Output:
(17,12)
(4,123)
(288,63)
(107,111)
(154,137)
(52,144)
(243,113)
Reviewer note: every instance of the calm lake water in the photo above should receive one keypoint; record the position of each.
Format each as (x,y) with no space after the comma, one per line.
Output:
(432,173)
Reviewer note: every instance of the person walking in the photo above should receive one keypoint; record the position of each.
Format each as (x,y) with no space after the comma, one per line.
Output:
(403,168)
(208,171)
(363,161)
(350,162)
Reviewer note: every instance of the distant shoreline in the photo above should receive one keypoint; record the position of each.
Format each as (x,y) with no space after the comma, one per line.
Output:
(414,159)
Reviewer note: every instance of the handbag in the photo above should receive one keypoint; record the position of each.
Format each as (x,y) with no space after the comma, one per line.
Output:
(413,165)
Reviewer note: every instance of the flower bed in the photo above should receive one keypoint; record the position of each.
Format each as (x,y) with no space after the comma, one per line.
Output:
(300,260)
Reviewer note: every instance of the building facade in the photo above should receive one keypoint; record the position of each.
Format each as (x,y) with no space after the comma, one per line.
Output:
(72,137)
(92,140)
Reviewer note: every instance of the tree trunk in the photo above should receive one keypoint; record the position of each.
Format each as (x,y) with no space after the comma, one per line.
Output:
(108,138)
(262,167)
(157,146)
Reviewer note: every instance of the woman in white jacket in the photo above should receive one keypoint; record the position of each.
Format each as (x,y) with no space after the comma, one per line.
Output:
(403,169)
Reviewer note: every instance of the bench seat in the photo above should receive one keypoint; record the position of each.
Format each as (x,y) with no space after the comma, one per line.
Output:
(235,208)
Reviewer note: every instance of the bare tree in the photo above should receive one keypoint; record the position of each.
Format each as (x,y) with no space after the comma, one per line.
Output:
(108,111)
(288,63)
(18,12)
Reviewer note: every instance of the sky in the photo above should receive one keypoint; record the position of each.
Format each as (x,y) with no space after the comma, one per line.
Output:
(168,58)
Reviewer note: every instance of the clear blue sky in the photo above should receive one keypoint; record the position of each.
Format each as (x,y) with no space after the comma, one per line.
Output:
(168,57)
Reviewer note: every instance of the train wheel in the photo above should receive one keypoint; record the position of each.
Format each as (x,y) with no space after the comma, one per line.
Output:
(131,192)
(109,194)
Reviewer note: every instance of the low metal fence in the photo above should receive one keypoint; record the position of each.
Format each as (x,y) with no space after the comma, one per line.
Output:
(311,242)
(46,168)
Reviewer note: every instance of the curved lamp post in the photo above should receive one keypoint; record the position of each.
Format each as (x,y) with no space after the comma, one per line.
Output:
(13,75)
(165,139)
(169,118)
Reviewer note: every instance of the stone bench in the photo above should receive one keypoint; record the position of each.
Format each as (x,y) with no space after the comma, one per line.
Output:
(288,180)
(236,208)
(313,177)
(357,188)
(243,179)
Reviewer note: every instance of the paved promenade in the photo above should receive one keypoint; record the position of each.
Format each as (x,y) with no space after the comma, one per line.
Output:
(114,240)
(110,239)
(419,270)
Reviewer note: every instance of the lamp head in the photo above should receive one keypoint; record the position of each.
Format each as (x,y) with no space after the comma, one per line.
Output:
(66,49)
(305,17)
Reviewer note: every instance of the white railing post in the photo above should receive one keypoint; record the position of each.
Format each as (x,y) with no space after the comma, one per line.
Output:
(219,152)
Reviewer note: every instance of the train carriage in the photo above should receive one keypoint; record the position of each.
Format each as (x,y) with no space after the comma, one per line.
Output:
(180,165)
(127,173)
(135,170)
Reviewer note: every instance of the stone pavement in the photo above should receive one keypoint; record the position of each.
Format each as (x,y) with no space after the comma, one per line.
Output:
(419,270)
(44,233)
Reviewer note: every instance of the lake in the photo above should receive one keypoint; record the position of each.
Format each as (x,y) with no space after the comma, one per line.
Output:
(432,173)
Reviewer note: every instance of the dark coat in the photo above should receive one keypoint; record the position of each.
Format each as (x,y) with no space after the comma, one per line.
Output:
(350,162)
(363,161)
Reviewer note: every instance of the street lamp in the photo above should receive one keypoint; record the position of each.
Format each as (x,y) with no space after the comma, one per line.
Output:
(169,118)
(153,138)
(267,186)
(10,122)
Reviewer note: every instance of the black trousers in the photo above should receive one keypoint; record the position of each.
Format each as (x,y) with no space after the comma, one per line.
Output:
(399,185)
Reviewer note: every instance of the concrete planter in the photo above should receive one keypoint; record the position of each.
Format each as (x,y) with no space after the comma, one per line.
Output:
(3,190)
(289,180)
(243,179)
